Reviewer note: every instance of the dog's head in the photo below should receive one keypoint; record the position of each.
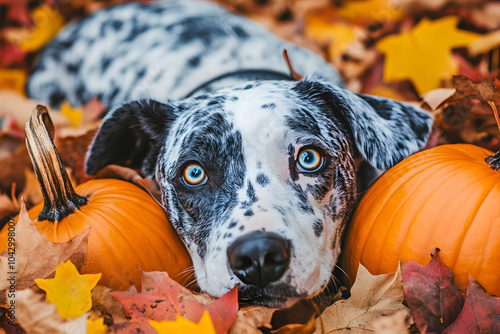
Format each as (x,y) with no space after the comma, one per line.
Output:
(259,181)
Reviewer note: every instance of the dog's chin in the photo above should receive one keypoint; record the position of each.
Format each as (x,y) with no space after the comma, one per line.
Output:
(279,296)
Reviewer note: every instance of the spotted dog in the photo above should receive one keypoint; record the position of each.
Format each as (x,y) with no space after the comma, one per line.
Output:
(257,171)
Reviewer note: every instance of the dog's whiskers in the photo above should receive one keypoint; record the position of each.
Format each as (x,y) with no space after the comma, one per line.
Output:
(187,275)
(345,274)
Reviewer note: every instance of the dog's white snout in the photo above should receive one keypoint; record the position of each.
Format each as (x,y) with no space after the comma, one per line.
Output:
(259,258)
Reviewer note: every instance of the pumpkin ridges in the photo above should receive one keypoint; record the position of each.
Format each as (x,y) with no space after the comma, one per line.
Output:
(487,271)
(447,219)
(450,247)
(448,255)
(468,224)
(404,224)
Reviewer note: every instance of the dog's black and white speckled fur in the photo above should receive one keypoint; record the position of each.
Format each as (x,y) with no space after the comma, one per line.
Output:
(243,122)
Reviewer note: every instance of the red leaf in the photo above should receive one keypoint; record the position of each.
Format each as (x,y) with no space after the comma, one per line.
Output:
(431,294)
(223,310)
(17,11)
(162,298)
(152,306)
(480,314)
(11,56)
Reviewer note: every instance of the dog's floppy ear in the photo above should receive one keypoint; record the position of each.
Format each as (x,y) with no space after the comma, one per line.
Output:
(131,135)
(385,131)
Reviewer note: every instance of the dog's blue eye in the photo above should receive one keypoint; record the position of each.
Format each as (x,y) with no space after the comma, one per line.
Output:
(194,175)
(309,160)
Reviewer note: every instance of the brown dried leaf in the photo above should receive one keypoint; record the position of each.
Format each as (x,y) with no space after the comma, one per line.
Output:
(8,208)
(371,297)
(72,145)
(14,160)
(250,318)
(105,304)
(37,316)
(467,90)
(36,256)
(467,116)
(306,328)
(31,193)
(397,323)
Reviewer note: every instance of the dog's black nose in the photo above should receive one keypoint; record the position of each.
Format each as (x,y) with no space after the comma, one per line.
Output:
(259,258)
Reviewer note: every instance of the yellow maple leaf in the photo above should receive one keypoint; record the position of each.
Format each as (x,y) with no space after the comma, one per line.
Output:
(370,10)
(424,54)
(340,35)
(13,79)
(75,115)
(184,326)
(96,326)
(47,22)
(69,290)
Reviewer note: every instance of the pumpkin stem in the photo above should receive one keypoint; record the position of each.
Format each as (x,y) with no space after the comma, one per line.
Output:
(494,160)
(60,199)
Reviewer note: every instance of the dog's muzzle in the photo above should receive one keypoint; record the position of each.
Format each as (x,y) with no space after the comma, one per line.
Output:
(259,258)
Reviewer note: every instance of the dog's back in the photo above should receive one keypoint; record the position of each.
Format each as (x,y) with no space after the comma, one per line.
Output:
(158,50)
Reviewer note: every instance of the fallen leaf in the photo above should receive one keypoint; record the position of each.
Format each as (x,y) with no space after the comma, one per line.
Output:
(69,290)
(306,328)
(250,318)
(370,11)
(96,326)
(436,97)
(11,56)
(371,297)
(8,208)
(104,304)
(338,35)
(72,145)
(47,23)
(467,116)
(431,294)
(162,299)
(480,314)
(9,326)
(37,316)
(19,107)
(423,54)
(35,255)
(15,163)
(485,43)
(467,89)
(13,79)
(397,323)
(182,326)
(419,7)
(17,11)
(486,16)
(75,115)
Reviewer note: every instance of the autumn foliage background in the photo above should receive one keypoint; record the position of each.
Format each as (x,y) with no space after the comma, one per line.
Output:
(400,49)
(408,50)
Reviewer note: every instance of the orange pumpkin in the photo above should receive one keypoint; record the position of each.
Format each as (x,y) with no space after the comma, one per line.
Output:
(129,230)
(446,197)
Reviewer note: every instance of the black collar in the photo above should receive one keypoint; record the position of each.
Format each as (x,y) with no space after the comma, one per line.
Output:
(250,74)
